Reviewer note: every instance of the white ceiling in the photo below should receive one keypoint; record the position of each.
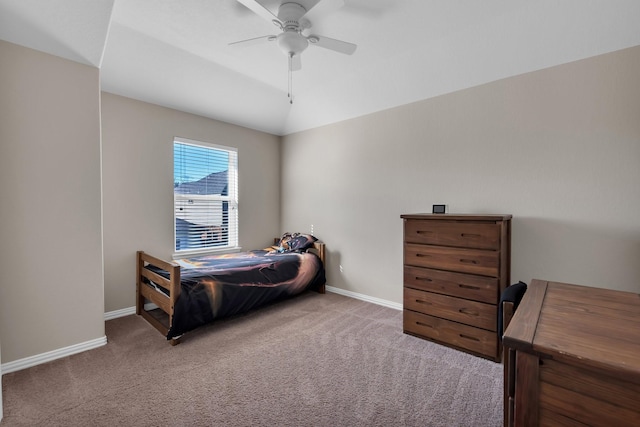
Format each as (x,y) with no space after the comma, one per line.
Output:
(176,53)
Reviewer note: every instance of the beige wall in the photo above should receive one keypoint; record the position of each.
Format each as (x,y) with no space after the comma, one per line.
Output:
(51,286)
(138,183)
(559,149)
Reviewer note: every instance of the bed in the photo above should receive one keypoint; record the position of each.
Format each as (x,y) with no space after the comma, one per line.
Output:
(180,295)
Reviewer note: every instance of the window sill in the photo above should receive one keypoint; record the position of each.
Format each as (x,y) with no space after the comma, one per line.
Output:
(208,251)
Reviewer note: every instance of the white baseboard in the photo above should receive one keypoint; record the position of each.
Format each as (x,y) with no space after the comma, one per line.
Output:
(127,311)
(38,359)
(366,298)
(119,313)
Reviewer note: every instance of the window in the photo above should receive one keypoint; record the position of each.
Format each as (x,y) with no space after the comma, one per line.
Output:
(205,196)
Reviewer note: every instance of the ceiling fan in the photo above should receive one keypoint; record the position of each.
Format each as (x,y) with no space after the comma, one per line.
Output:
(293,20)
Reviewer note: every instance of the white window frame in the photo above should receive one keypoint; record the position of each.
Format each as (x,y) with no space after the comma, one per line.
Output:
(231,198)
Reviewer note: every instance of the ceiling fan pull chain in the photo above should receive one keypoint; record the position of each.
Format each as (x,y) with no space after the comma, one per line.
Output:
(290,94)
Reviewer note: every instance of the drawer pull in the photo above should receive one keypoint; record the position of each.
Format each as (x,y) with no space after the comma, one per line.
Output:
(470,235)
(468,337)
(467,311)
(423,232)
(468,261)
(420,255)
(419,301)
(424,324)
(462,285)
(424,279)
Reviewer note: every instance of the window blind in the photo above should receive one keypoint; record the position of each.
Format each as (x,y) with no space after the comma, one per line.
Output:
(205,194)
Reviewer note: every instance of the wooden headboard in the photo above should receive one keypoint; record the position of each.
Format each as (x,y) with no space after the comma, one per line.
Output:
(318,248)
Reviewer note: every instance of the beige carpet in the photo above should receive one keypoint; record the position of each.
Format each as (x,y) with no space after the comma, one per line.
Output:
(316,360)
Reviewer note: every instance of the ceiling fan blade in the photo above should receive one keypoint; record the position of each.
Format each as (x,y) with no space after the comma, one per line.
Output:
(333,44)
(295,63)
(253,41)
(260,10)
(323,8)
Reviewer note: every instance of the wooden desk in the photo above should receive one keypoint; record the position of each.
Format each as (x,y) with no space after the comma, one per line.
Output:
(572,357)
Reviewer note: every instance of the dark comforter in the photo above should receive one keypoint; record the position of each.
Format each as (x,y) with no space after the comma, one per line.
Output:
(223,285)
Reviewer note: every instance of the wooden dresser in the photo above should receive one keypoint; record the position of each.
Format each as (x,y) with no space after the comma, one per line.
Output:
(455,268)
(572,357)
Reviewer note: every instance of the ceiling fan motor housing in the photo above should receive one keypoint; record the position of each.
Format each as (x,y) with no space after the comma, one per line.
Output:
(291,13)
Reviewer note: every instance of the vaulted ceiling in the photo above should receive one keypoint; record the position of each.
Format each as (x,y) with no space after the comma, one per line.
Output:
(176,53)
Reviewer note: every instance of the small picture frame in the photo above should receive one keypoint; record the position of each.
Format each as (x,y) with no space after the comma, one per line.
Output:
(439,209)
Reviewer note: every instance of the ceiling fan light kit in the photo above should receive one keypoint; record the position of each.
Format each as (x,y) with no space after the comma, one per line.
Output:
(292,22)
(292,43)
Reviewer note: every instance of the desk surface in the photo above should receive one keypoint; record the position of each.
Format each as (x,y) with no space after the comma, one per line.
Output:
(579,324)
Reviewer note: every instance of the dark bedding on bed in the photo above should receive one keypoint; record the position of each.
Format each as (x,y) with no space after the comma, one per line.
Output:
(217,286)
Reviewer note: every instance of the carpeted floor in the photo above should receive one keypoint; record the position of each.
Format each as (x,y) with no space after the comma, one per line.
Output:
(315,360)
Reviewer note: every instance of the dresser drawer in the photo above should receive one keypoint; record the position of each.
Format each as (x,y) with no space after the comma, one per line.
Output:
(452,333)
(468,286)
(457,234)
(474,261)
(586,395)
(472,313)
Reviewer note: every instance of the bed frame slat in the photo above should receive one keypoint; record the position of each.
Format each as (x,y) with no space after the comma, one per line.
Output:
(155,322)
(156,297)
(165,265)
(156,278)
